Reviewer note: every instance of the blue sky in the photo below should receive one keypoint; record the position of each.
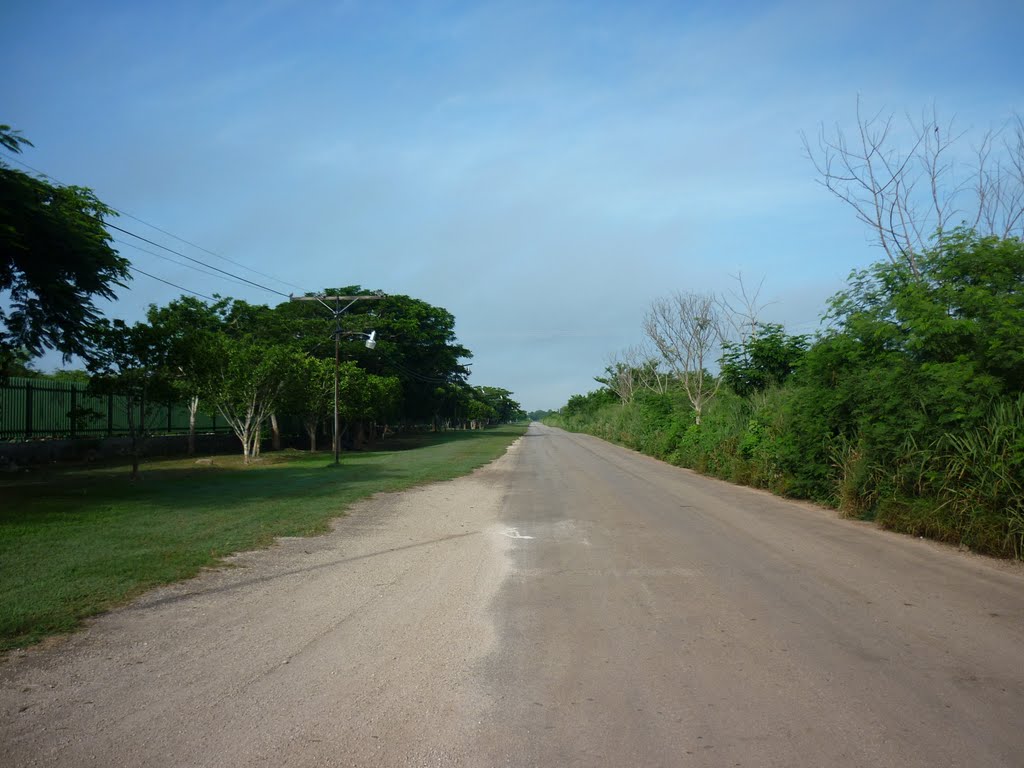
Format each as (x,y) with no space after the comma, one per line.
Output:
(542,170)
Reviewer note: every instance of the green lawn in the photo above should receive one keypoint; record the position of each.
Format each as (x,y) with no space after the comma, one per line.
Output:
(76,541)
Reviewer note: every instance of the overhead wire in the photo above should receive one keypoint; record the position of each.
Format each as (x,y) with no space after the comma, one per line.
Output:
(414,374)
(197,261)
(238,278)
(224,274)
(207,250)
(173,285)
(173,261)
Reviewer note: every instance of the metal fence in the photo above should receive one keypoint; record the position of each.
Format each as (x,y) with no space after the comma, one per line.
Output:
(42,408)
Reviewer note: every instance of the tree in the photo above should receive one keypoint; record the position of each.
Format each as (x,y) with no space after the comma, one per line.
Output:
(583,407)
(416,342)
(247,384)
(365,397)
(910,358)
(764,359)
(19,363)
(742,307)
(386,398)
(129,362)
(480,413)
(687,328)
(190,326)
(314,394)
(634,369)
(55,259)
(965,310)
(906,197)
(498,405)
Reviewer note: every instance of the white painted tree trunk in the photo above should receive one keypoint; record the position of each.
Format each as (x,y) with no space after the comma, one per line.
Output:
(193,407)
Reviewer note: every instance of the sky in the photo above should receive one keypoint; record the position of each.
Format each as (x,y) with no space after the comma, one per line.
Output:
(542,170)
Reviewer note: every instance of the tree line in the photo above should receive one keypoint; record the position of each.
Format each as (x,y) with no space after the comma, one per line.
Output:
(908,406)
(253,364)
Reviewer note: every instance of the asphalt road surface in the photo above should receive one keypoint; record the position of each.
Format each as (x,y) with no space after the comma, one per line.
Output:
(572,604)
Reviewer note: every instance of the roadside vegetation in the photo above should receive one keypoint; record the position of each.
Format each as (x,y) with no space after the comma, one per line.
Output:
(75,541)
(381,360)
(907,408)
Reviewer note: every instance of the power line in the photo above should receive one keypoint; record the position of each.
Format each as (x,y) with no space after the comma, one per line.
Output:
(413,374)
(207,250)
(172,235)
(173,285)
(197,261)
(172,261)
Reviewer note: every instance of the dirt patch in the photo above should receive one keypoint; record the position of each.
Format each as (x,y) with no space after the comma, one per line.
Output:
(350,648)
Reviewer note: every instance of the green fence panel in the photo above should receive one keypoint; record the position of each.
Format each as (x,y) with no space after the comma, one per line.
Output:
(41,408)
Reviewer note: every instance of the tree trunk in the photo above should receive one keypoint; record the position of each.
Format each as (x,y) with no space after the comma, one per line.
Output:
(310,425)
(193,406)
(134,437)
(275,433)
(246,443)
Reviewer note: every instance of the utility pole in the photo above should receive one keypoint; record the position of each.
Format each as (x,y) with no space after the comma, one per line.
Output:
(338,311)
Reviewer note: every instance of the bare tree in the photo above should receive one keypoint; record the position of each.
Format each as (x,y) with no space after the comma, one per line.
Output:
(621,376)
(909,197)
(687,328)
(651,375)
(633,369)
(741,308)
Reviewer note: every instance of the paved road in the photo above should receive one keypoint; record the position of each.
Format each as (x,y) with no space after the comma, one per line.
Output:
(572,604)
(662,618)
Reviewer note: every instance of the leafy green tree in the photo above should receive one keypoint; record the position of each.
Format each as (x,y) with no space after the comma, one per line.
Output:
(480,412)
(911,356)
(365,398)
(500,404)
(583,406)
(130,361)
(539,415)
(247,384)
(313,394)
(386,398)
(19,363)
(416,342)
(765,359)
(55,259)
(190,327)
(76,375)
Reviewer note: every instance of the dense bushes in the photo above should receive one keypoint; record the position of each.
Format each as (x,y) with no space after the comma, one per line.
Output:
(908,409)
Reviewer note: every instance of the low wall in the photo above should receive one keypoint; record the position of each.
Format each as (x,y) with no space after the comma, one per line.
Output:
(34,452)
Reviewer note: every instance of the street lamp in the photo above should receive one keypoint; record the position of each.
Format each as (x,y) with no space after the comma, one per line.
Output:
(371,343)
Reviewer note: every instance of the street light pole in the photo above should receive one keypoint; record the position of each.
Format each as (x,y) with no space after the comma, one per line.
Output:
(371,342)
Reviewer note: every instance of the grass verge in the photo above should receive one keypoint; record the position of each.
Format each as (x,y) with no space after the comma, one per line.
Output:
(77,541)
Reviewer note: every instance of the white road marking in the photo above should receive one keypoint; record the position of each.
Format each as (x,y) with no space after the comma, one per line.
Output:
(513,533)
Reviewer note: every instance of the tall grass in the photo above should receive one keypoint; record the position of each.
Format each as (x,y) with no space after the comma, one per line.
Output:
(983,471)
